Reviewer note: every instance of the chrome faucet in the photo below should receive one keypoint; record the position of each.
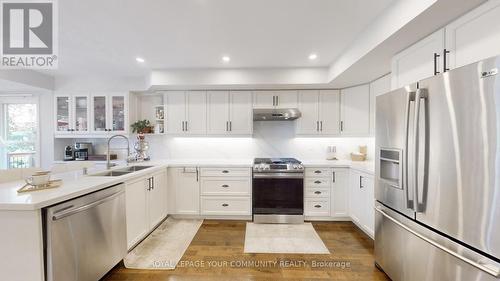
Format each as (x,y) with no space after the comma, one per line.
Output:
(108,158)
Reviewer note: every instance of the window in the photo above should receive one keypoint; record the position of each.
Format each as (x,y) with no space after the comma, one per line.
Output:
(19,136)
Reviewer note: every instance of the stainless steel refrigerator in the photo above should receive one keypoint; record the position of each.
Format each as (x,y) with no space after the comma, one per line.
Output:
(438,177)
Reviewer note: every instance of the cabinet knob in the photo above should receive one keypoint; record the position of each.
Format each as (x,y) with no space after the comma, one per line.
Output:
(317,206)
(225,185)
(317,182)
(317,192)
(225,171)
(225,205)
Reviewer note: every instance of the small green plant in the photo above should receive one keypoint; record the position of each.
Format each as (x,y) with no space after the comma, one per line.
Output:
(142,126)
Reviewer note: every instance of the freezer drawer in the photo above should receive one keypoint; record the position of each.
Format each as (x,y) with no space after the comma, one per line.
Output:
(408,251)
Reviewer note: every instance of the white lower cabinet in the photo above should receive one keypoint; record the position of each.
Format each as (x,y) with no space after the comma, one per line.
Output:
(326,193)
(361,201)
(339,207)
(146,205)
(186,190)
(223,205)
(226,192)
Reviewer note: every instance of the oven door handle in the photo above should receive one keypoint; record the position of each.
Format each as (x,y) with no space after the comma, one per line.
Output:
(278,176)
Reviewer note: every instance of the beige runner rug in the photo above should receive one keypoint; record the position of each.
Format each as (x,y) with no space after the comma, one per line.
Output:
(163,248)
(283,239)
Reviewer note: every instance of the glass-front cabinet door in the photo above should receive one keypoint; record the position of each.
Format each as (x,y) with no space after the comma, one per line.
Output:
(81,109)
(99,113)
(63,114)
(118,114)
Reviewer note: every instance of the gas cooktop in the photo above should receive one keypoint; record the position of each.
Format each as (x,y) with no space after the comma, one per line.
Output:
(277,165)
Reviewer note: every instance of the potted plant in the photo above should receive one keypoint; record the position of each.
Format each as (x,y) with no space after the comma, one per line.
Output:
(142,127)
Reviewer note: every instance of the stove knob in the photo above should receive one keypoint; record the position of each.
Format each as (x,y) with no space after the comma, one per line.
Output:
(295,167)
(266,167)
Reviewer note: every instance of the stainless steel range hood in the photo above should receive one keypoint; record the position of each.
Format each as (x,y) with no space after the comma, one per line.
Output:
(275,114)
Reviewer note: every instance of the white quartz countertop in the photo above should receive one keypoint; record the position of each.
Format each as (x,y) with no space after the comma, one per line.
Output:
(80,185)
(363,166)
(71,188)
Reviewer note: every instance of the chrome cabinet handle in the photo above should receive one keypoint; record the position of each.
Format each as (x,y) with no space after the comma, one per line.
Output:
(317,126)
(341,126)
(321,126)
(317,206)
(225,185)
(317,172)
(187,128)
(317,192)
(230,126)
(333,177)
(227,126)
(225,171)
(361,182)
(317,182)
(225,205)
(488,268)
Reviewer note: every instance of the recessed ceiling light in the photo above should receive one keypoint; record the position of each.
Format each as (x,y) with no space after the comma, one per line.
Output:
(141,60)
(313,56)
(226,59)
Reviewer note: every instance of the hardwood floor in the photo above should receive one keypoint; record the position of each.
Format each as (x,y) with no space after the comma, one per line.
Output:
(216,253)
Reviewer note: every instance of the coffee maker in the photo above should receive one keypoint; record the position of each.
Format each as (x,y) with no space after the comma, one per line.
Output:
(82,151)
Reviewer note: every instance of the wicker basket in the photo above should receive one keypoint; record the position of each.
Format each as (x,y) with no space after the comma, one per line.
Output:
(358,157)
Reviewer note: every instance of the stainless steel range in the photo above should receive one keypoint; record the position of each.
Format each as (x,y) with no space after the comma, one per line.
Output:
(278,190)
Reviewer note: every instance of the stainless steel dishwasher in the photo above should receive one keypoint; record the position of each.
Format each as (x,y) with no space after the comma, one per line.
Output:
(86,237)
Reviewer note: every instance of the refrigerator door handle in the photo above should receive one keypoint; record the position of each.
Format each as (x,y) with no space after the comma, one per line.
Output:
(419,96)
(409,99)
(488,268)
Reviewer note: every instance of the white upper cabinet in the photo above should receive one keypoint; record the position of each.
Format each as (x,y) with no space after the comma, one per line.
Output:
(176,111)
(275,99)
(474,36)
(422,60)
(320,112)
(230,112)
(329,112)
(186,112)
(240,112)
(218,112)
(109,113)
(355,111)
(196,112)
(308,123)
(63,110)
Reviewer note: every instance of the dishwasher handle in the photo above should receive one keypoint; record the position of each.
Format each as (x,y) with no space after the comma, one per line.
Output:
(68,212)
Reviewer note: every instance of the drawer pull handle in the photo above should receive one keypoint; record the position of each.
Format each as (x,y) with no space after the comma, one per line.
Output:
(225,205)
(317,182)
(225,185)
(317,172)
(317,206)
(317,192)
(225,171)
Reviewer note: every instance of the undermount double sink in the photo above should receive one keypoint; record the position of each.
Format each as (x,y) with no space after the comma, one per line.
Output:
(121,172)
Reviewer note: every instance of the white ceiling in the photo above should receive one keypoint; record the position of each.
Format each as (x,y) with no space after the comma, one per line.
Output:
(104,37)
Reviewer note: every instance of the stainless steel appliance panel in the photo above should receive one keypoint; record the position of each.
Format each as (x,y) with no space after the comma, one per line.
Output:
(86,237)
(394,121)
(410,252)
(458,164)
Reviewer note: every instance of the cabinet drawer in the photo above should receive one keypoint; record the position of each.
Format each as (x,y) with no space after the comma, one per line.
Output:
(225,172)
(225,186)
(225,205)
(317,182)
(317,207)
(319,172)
(317,193)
